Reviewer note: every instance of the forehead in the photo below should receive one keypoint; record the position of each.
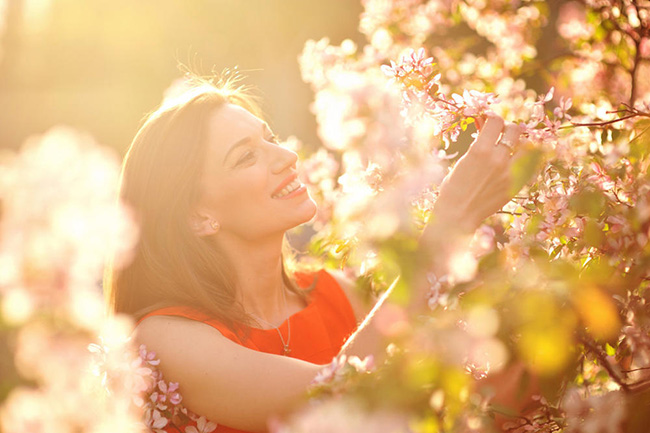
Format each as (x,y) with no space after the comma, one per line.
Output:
(229,124)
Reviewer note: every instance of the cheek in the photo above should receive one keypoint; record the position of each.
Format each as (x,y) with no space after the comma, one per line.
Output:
(237,196)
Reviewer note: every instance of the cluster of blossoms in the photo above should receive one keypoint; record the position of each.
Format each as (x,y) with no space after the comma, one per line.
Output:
(422,97)
(559,275)
(341,367)
(158,401)
(549,301)
(344,416)
(509,29)
(60,223)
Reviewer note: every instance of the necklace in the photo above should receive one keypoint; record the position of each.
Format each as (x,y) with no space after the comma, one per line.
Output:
(285,345)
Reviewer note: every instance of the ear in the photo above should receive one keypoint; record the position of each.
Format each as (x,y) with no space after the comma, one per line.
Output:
(203,224)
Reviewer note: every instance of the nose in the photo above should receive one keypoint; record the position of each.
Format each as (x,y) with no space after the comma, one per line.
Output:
(283,159)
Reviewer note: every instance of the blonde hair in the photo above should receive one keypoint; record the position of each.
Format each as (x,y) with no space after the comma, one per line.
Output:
(161,181)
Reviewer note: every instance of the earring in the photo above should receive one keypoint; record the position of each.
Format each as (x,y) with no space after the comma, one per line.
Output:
(214,225)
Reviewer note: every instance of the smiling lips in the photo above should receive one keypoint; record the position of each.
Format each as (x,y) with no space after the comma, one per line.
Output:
(291,184)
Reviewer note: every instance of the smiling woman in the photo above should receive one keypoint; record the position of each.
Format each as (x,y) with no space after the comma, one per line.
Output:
(214,195)
(249,184)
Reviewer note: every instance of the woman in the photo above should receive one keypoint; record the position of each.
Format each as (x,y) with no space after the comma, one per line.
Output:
(214,195)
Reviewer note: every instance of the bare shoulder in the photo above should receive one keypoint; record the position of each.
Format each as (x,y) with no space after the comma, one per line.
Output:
(152,324)
(360,307)
(157,331)
(177,341)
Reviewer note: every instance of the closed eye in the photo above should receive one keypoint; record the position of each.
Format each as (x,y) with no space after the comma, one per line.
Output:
(248,156)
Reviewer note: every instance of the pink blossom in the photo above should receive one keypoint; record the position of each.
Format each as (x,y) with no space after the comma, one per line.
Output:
(362,365)
(474,103)
(148,357)
(564,105)
(483,241)
(328,373)
(202,426)
(340,366)
(155,420)
(343,416)
(644,47)
(596,413)
(572,23)
(601,178)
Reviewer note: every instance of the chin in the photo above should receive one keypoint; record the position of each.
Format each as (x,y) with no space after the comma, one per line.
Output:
(308,211)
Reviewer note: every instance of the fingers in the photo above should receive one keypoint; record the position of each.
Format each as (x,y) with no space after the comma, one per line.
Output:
(489,133)
(512,134)
(497,141)
(480,121)
(508,144)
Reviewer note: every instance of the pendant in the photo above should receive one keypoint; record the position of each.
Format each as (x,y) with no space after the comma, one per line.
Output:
(287,351)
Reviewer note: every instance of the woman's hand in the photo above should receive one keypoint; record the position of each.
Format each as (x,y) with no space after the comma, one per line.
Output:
(481,182)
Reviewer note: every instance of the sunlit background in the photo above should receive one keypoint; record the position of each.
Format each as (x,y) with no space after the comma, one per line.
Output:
(100,66)
(551,294)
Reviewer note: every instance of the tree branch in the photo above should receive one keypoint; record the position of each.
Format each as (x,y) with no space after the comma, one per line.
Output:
(604,362)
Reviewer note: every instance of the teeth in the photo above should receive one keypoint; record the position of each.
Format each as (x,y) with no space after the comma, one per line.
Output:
(289,188)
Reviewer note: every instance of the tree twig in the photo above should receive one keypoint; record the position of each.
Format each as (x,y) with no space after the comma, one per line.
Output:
(635,369)
(604,362)
(604,122)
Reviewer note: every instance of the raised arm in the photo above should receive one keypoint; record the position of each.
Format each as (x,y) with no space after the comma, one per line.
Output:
(479,185)
(242,388)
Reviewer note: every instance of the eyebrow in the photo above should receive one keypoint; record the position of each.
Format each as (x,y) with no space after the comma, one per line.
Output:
(239,143)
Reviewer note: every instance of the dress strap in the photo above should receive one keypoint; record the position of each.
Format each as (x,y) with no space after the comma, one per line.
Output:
(197,315)
(328,304)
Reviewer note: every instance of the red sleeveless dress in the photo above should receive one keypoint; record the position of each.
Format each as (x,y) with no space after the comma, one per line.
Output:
(317,332)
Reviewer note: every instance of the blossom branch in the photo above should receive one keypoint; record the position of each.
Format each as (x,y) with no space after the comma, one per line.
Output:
(635,369)
(604,362)
(629,113)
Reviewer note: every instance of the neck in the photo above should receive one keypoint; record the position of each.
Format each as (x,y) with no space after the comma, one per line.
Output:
(258,269)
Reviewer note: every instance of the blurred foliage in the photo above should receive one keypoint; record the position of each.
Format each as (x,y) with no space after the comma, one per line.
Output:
(551,317)
(545,327)
(101,66)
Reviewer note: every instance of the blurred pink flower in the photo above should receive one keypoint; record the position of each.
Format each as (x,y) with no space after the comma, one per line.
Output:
(202,426)
(343,416)
(572,22)
(594,414)
(644,47)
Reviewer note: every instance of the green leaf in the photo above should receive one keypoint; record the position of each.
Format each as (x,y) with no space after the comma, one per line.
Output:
(524,168)
(610,350)
(429,424)
(556,252)
(422,370)
(640,144)
(593,234)
(599,32)
(588,202)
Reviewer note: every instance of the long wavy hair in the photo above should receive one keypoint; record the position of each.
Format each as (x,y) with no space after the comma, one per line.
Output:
(160,181)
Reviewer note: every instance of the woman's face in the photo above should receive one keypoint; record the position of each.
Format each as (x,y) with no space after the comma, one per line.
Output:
(249,184)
